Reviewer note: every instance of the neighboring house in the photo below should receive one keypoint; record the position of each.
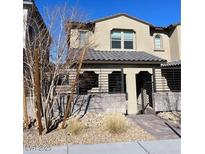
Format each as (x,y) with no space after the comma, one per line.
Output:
(129,55)
(33,28)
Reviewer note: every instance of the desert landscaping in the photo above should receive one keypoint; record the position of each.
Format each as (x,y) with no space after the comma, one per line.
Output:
(91,129)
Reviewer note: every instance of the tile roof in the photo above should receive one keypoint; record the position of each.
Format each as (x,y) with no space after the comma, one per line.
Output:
(173,63)
(126,56)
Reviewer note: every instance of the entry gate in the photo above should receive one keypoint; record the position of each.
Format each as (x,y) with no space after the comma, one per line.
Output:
(164,80)
(146,96)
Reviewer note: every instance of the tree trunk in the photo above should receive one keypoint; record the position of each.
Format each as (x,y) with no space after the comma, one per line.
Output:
(25,112)
(37,91)
(73,88)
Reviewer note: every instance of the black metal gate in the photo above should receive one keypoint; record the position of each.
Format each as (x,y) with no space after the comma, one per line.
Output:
(163,80)
(144,90)
(146,95)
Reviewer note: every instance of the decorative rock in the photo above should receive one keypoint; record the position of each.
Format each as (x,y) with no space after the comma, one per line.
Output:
(173,116)
(93,133)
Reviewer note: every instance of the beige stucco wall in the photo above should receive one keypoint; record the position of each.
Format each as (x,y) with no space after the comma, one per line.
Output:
(25,14)
(175,44)
(143,41)
(179,39)
(103,29)
(74,38)
(164,52)
(132,87)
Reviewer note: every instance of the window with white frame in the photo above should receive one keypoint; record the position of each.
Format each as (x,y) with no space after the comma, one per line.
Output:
(83,38)
(116,39)
(128,39)
(122,39)
(158,42)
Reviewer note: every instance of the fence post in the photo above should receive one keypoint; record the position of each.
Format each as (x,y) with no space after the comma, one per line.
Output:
(142,96)
(154,80)
(122,81)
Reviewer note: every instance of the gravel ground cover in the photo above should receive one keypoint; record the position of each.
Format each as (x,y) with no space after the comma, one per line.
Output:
(93,133)
(174,117)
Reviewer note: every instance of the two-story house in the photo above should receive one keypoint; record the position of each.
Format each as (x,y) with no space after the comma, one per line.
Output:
(128,54)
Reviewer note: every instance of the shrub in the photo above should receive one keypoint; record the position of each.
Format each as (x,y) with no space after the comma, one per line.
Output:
(75,126)
(115,123)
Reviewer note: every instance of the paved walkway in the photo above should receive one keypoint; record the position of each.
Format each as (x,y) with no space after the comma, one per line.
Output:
(142,147)
(154,125)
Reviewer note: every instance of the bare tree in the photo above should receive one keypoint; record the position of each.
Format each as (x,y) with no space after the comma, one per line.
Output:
(25,112)
(59,21)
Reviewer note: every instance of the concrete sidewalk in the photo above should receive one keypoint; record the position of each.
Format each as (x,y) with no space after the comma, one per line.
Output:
(172,146)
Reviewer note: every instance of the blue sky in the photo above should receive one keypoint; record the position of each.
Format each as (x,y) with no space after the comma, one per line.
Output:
(156,12)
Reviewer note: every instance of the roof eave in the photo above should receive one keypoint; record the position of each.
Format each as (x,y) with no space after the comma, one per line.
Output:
(121,14)
(121,62)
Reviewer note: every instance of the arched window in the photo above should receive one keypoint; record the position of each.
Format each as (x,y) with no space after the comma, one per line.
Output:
(158,42)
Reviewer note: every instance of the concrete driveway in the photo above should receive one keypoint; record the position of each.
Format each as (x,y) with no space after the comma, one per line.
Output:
(172,146)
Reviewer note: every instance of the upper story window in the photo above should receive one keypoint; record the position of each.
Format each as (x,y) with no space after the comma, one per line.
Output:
(122,39)
(116,39)
(128,39)
(158,42)
(83,38)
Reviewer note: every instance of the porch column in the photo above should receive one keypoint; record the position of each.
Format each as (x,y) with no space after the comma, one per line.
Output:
(131,90)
